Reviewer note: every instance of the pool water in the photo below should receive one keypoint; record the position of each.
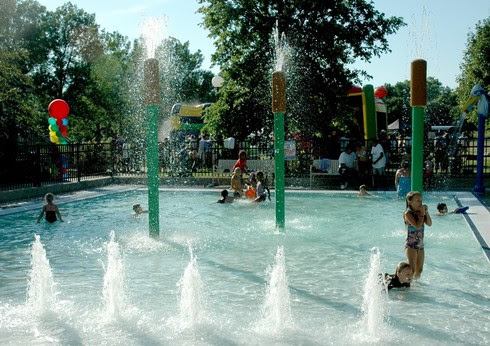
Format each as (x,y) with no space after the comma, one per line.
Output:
(222,275)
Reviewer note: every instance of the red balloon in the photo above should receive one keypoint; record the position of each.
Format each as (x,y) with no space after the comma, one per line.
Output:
(59,122)
(380,92)
(58,109)
(63,133)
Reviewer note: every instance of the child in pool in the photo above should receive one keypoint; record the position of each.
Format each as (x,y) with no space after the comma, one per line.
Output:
(402,277)
(415,216)
(236,182)
(261,189)
(138,210)
(442,210)
(241,162)
(50,209)
(225,198)
(362,191)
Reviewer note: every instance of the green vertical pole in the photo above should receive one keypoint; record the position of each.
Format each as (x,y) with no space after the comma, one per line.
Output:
(370,112)
(279,108)
(152,97)
(418,100)
(279,169)
(417,148)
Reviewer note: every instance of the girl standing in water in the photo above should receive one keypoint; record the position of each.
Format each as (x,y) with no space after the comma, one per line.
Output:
(416,216)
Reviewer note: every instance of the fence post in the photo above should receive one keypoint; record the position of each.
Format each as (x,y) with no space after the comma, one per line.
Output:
(38,166)
(79,171)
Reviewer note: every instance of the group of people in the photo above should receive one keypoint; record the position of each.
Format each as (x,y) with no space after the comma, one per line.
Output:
(358,163)
(255,187)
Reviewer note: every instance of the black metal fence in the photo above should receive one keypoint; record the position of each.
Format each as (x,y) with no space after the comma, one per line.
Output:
(32,165)
(41,164)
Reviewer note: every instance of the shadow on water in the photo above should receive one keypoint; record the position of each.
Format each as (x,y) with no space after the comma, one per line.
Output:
(57,326)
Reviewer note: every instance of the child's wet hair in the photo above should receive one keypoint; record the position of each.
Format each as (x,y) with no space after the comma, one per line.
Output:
(242,152)
(402,266)
(441,207)
(49,197)
(362,187)
(224,193)
(136,206)
(410,196)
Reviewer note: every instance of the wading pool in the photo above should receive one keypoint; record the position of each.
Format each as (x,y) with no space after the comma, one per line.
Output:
(221,274)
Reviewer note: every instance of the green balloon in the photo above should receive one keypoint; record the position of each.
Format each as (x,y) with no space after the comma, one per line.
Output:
(54,127)
(52,121)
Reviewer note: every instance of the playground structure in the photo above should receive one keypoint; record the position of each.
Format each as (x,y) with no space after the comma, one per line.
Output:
(371,115)
(187,119)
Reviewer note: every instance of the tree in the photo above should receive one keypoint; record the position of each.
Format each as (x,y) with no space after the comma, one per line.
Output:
(475,67)
(325,38)
(441,109)
(19,30)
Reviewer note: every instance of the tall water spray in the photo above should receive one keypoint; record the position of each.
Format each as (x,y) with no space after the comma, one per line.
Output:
(279,108)
(373,305)
(41,293)
(281,49)
(276,311)
(152,33)
(113,291)
(190,286)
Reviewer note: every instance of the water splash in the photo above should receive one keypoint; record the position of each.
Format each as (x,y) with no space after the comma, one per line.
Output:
(152,33)
(282,50)
(373,305)
(420,33)
(276,310)
(190,287)
(41,293)
(113,291)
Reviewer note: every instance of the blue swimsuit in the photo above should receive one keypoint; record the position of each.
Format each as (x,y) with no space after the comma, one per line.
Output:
(415,237)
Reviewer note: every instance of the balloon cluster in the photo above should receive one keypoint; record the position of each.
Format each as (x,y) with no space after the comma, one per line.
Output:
(58,122)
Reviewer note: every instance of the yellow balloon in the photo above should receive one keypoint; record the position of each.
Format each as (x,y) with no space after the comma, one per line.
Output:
(50,129)
(52,134)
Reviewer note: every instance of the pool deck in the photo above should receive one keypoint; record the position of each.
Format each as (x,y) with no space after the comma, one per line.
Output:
(477,217)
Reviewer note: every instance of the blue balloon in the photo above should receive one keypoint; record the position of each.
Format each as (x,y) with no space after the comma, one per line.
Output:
(64,121)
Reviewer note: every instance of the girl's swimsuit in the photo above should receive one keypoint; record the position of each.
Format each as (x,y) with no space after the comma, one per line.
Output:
(415,237)
(50,216)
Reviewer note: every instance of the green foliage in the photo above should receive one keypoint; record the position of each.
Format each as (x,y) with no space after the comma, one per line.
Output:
(62,54)
(475,67)
(325,37)
(442,106)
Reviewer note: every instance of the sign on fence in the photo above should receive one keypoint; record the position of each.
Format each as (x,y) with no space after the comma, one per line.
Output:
(289,150)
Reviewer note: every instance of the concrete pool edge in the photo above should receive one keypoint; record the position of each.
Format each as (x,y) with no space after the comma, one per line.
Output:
(478,217)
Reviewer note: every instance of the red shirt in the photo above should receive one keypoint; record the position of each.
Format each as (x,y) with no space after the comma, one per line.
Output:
(240,163)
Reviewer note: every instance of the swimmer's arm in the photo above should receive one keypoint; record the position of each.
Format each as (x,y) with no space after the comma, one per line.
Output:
(40,216)
(268,193)
(59,214)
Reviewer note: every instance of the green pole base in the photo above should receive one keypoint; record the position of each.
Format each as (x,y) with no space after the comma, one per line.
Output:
(279,170)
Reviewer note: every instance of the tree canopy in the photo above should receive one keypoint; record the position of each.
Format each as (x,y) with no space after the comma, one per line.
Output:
(324,37)
(475,67)
(63,53)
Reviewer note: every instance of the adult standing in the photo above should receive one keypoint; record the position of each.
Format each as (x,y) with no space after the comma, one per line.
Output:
(378,162)
(346,166)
